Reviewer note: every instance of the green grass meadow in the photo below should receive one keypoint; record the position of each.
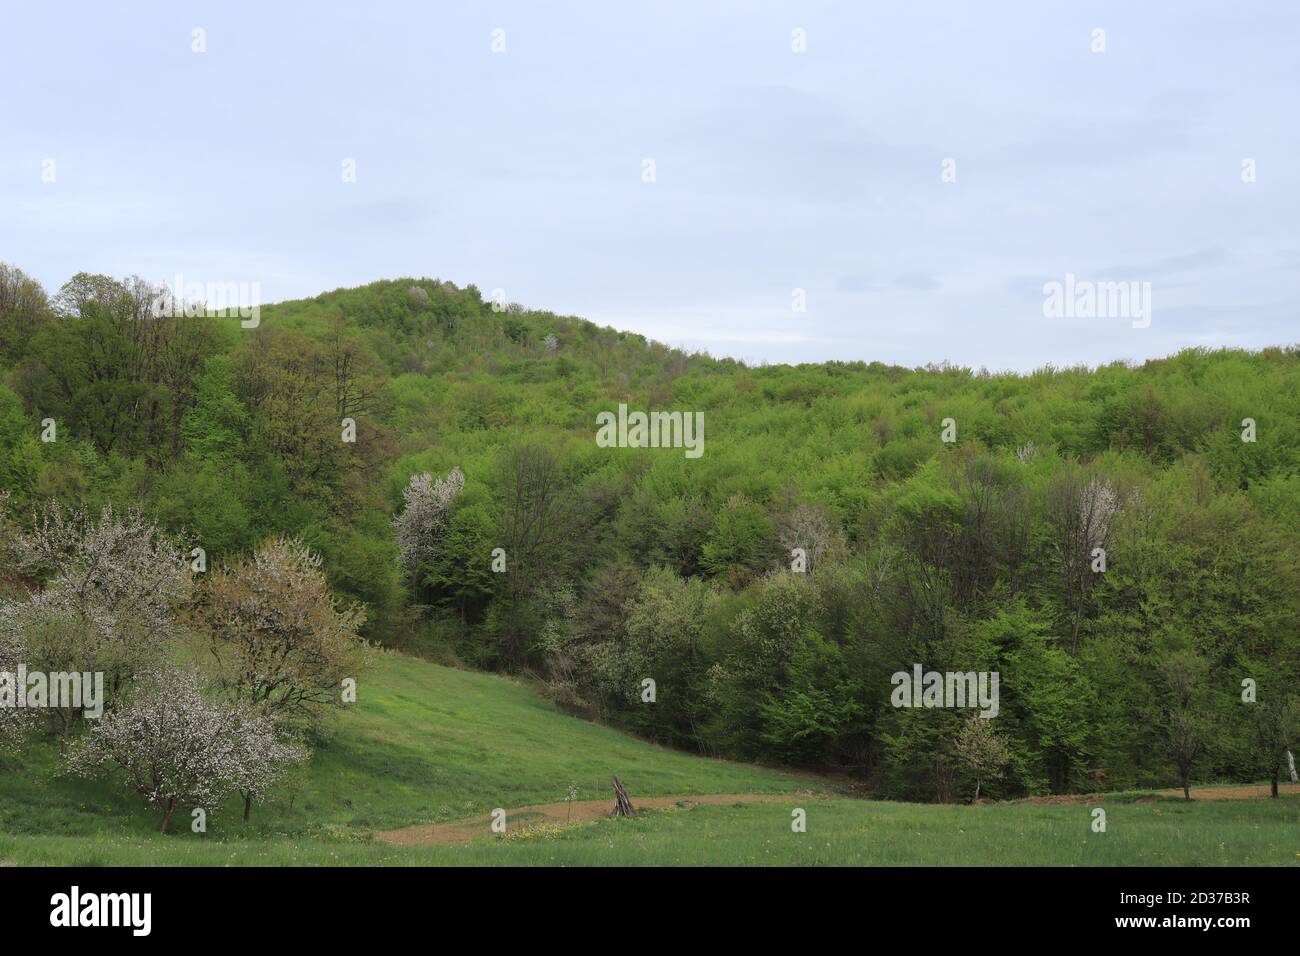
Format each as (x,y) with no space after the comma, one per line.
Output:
(426,743)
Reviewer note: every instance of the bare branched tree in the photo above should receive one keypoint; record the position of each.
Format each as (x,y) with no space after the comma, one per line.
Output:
(276,633)
(1184,717)
(1082,511)
(807,526)
(536,527)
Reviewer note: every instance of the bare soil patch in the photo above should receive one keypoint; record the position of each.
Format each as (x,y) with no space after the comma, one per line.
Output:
(579,811)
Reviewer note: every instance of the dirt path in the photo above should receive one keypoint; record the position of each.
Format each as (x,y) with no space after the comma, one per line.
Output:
(582,811)
(1250,792)
(579,811)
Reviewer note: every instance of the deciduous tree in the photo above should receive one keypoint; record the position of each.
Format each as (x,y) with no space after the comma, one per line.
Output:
(177,745)
(279,637)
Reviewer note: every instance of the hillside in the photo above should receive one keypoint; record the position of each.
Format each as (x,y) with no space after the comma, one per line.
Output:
(423,743)
(947,517)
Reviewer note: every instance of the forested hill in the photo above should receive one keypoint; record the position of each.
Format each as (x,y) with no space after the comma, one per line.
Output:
(627,563)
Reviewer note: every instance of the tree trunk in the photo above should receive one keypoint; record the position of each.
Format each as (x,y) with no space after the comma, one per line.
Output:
(622,806)
(248,806)
(1274,787)
(167,813)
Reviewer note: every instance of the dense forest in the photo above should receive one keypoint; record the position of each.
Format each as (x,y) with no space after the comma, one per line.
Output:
(1118,543)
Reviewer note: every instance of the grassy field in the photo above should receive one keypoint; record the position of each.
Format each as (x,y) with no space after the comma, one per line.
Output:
(840,832)
(426,744)
(423,743)
(862,833)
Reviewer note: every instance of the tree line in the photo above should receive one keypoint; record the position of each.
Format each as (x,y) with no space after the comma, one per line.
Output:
(479,523)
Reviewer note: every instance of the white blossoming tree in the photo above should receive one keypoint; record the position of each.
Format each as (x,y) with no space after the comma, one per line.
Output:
(14,722)
(177,746)
(264,765)
(120,576)
(108,599)
(9,534)
(121,569)
(424,517)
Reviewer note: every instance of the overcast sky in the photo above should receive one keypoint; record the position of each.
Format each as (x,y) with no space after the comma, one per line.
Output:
(774,170)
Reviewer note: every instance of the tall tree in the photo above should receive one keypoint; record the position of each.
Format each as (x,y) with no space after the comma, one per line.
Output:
(279,637)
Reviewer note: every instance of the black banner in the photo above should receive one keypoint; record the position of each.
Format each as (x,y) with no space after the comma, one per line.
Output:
(341,905)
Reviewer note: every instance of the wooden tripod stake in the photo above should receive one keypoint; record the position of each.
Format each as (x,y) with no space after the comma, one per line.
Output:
(622,806)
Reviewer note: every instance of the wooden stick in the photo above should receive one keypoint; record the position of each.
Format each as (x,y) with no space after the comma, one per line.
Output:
(622,805)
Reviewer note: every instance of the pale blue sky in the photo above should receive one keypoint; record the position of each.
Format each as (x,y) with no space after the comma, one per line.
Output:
(776,170)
